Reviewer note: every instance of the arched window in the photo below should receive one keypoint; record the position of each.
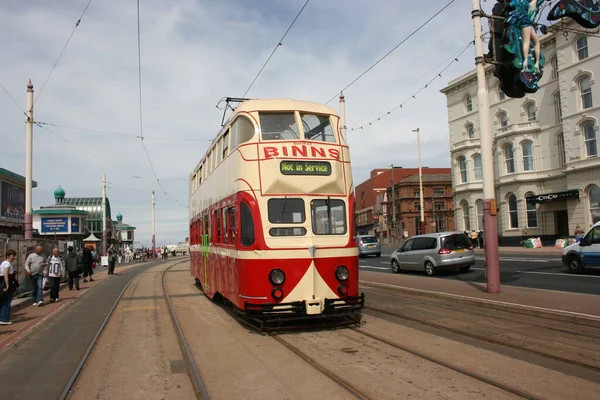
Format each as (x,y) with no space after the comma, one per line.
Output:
(531,212)
(464,206)
(531,113)
(501,95)
(585,89)
(509,157)
(562,156)
(470,131)
(479,210)
(469,103)
(513,213)
(590,139)
(462,167)
(557,108)
(242,130)
(594,197)
(527,147)
(477,167)
(554,67)
(502,119)
(582,48)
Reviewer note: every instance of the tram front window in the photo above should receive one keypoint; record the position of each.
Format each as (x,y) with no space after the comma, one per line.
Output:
(328,217)
(317,127)
(286,211)
(278,126)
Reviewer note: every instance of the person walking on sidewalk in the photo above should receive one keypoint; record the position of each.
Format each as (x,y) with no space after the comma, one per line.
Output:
(87,264)
(112,259)
(56,271)
(73,264)
(34,267)
(8,286)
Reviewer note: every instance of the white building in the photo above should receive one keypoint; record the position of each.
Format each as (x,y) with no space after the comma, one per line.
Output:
(544,144)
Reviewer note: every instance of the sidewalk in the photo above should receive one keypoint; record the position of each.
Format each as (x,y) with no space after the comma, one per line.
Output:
(26,318)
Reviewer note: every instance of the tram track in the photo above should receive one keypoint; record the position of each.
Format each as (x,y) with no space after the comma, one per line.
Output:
(197,383)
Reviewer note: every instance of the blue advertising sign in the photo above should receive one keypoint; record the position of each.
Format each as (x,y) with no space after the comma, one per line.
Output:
(58,225)
(75,224)
(13,202)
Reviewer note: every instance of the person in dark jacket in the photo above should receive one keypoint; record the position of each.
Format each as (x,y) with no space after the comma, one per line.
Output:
(87,263)
(112,259)
(72,264)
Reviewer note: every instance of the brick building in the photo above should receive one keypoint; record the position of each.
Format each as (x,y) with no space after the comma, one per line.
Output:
(371,198)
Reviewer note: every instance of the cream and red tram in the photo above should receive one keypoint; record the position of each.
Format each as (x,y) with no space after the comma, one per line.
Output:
(271,214)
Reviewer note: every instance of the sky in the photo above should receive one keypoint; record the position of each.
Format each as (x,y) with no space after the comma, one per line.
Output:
(193,53)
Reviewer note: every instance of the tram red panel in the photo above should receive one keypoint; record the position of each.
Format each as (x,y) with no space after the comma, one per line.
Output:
(326,268)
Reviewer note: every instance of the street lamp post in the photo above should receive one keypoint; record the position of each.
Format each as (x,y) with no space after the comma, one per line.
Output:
(393,209)
(417,130)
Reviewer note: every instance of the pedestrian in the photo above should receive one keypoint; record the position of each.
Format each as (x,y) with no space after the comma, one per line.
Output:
(578,233)
(8,286)
(474,238)
(56,271)
(87,264)
(73,265)
(112,259)
(35,264)
(480,238)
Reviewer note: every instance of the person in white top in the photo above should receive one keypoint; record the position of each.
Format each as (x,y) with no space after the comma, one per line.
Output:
(7,275)
(56,271)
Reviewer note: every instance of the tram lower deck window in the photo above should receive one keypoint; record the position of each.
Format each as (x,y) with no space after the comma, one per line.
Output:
(286,211)
(287,231)
(328,217)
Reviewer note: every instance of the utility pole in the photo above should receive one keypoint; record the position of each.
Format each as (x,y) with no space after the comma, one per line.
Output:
(420,181)
(490,222)
(153,229)
(29,163)
(393,209)
(104,231)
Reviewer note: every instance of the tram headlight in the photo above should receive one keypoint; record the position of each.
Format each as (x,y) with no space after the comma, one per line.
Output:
(277,277)
(342,273)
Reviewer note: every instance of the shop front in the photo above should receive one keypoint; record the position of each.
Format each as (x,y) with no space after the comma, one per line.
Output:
(553,208)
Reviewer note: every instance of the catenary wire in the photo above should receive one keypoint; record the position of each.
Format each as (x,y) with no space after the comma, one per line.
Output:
(280,43)
(392,50)
(12,98)
(414,95)
(63,50)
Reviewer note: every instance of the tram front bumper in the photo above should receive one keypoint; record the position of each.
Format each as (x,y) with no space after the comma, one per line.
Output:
(338,306)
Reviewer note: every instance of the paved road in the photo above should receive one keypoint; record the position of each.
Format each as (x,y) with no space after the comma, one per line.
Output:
(539,271)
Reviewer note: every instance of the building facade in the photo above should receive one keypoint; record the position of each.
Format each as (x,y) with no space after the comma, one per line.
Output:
(12,204)
(546,167)
(125,234)
(93,222)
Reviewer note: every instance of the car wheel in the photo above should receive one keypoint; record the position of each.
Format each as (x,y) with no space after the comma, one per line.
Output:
(465,269)
(429,268)
(378,255)
(396,267)
(575,265)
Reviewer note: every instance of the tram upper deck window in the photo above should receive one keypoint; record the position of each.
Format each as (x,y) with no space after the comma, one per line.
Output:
(328,217)
(317,127)
(286,211)
(278,126)
(242,130)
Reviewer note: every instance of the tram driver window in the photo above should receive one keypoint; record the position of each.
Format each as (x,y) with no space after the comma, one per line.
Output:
(328,217)
(317,127)
(286,211)
(246,225)
(278,126)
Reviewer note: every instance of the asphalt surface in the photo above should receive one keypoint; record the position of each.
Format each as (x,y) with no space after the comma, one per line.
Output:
(532,271)
(40,366)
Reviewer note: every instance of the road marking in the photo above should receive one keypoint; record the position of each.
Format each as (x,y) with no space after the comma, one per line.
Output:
(544,273)
(368,266)
(522,259)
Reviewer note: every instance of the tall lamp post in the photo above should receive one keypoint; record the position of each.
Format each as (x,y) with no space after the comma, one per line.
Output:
(418,131)
(393,209)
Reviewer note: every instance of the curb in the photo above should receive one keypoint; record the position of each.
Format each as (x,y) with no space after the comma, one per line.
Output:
(558,315)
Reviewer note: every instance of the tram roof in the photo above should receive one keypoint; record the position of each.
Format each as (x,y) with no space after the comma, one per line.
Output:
(284,105)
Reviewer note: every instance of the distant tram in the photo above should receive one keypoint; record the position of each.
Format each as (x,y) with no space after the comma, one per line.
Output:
(271,214)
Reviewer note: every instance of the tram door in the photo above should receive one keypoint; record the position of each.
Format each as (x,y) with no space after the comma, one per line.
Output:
(205,251)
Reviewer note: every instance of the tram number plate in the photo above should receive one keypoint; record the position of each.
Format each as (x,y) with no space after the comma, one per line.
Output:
(305,168)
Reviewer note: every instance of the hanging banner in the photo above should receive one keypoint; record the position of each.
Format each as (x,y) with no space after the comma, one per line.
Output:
(12,202)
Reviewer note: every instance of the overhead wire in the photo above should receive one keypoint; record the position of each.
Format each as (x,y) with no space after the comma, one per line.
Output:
(63,50)
(392,50)
(12,98)
(414,95)
(280,43)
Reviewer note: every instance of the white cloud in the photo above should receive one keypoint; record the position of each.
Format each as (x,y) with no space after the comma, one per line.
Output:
(195,52)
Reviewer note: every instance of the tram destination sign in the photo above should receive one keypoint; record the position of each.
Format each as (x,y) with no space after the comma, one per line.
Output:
(544,198)
(322,168)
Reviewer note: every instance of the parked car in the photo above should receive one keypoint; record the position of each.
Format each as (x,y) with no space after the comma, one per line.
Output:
(368,244)
(434,252)
(586,253)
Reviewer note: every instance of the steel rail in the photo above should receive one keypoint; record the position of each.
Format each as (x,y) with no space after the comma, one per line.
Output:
(199,387)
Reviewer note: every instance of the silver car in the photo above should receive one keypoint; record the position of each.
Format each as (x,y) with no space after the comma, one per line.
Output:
(434,252)
(368,244)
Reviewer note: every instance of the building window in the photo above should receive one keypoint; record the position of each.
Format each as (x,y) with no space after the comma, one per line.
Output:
(470,131)
(469,103)
(594,197)
(417,206)
(557,108)
(586,93)
(438,192)
(513,212)
(418,225)
(562,157)
(590,140)
(501,95)
(582,48)
(464,206)
(462,166)
(479,210)
(531,114)
(503,119)
(531,214)
(417,193)
(554,67)
(439,206)
(440,223)
(509,157)
(527,147)
(477,167)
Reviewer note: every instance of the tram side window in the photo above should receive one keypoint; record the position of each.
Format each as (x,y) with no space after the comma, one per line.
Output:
(328,217)
(232,225)
(225,230)
(317,127)
(278,126)
(226,144)
(218,226)
(246,225)
(242,130)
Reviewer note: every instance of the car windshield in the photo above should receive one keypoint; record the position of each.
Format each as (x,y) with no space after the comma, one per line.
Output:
(455,242)
(369,239)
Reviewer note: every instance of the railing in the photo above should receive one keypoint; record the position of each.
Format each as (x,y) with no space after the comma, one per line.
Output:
(518,127)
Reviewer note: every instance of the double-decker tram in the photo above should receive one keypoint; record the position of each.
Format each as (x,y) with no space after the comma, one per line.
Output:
(271,215)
